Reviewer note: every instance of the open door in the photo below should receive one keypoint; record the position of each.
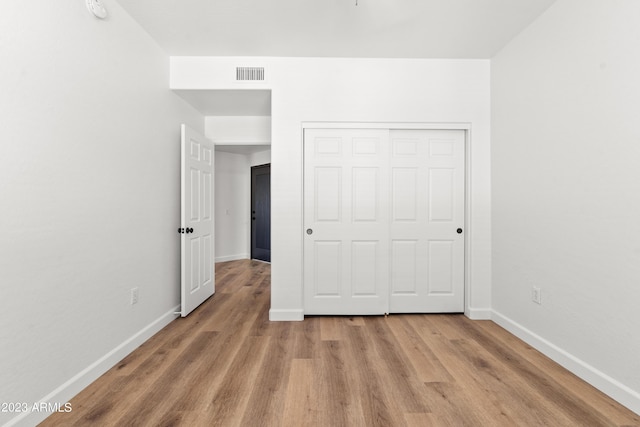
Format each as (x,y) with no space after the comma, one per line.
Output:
(196,220)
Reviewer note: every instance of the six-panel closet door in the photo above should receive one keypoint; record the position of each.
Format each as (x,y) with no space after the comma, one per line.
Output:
(383,221)
(427,221)
(346,236)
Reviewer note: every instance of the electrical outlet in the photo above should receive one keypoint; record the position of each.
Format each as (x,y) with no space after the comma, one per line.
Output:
(134,296)
(536,295)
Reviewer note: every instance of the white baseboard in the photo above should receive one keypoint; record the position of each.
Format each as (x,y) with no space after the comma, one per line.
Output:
(286,315)
(611,387)
(478,313)
(82,379)
(231,257)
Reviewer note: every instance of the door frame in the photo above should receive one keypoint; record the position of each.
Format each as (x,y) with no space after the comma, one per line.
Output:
(464,126)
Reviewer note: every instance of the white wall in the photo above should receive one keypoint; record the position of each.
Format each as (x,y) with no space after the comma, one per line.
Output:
(240,130)
(566,179)
(233,199)
(260,158)
(89,190)
(356,90)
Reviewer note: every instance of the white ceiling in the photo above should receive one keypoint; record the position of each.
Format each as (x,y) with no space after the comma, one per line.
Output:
(335,28)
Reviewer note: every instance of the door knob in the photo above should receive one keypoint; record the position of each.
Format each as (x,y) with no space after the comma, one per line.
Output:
(309,231)
(189,230)
(459,231)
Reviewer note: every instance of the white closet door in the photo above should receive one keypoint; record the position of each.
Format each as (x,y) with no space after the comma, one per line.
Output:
(346,221)
(427,169)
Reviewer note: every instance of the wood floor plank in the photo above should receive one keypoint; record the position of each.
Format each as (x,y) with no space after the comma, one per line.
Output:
(266,400)
(227,364)
(229,404)
(300,408)
(420,420)
(451,406)
(307,339)
(336,396)
(428,369)
(376,402)
(330,328)
(355,320)
(397,373)
(262,326)
(180,418)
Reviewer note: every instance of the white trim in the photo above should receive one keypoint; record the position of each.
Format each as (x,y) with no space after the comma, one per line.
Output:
(77,383)
(231,257)
(241,142)
(387,125)
(610,386)
(468,310)
(478,314)
(292,315)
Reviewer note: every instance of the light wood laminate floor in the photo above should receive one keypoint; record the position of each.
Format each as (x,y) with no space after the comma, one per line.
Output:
(226,364)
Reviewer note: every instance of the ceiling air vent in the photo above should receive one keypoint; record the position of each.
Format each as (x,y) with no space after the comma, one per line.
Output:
(249,74)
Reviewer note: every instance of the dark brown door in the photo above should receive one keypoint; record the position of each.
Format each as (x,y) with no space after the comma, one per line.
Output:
(261,212)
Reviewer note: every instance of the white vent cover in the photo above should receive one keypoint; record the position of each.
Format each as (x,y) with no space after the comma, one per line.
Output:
(249,74)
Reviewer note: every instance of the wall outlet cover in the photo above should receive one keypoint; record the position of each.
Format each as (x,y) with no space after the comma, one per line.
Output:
(536,295)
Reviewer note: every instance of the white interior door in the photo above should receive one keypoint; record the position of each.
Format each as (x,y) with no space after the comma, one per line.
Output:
(197,244)
(346,234)
(427,221)
(384,215)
